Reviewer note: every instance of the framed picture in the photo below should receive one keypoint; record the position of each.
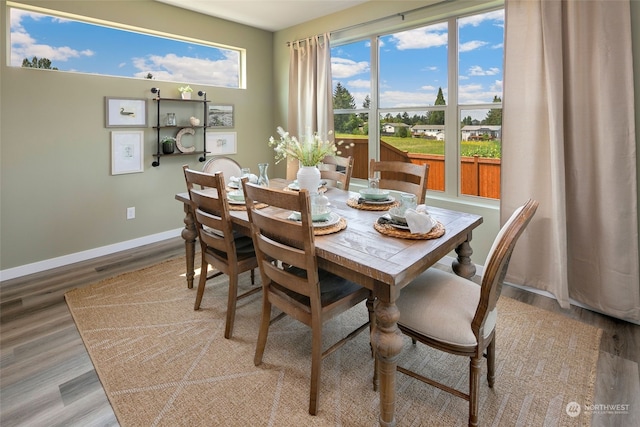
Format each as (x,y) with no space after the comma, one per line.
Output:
(220,116)
(217,143)
(127,152)
(125,112)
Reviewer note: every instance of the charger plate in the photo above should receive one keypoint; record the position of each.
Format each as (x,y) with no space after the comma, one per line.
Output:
(389,230)
(353,203)
(339,226)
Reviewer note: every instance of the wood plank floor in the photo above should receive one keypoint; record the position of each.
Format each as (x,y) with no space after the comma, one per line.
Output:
(47,379)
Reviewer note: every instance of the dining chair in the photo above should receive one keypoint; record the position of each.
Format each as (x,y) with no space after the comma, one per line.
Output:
(227,251)
(455,315)
(291,280)
(337,170)
(401,176)
(226,165)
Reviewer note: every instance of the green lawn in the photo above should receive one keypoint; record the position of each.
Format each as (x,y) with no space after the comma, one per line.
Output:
(489,149)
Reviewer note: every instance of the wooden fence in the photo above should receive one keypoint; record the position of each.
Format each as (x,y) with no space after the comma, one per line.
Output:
(480,176)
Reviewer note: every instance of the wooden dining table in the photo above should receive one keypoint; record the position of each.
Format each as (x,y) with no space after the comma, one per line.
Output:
(382,263)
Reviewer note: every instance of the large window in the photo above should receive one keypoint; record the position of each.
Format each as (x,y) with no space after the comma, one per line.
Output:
(43,40)
(429,94)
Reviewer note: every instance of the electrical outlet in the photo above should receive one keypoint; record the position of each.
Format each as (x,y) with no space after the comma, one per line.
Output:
(131,213)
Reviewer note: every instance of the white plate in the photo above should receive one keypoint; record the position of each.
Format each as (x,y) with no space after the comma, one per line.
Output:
(233,185)
(399,226)
(333,219)
(296,187)
(235,202)
(388,201)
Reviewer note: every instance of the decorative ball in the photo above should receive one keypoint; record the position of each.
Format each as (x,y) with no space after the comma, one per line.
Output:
(194,121)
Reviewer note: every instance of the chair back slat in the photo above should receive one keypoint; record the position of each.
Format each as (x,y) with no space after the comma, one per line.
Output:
(402,176)
(285,248)
(338,170)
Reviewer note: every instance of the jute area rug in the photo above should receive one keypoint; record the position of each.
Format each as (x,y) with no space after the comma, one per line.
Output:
(163,364)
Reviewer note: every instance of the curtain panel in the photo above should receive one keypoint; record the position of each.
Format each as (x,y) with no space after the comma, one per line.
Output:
(569,142)
(310,90)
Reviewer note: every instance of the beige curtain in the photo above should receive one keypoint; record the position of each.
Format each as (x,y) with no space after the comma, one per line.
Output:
(310,89)
(569,142)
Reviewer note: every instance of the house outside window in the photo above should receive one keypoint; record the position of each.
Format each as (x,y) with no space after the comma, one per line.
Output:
(433,93)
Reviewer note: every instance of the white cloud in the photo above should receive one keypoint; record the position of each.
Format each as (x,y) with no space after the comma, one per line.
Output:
(476,70)
(186,69)
(422,38)
(342,68)
(472,45)
(476,20)
(359,83)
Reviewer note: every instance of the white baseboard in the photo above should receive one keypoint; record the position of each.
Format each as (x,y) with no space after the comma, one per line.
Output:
(36,267)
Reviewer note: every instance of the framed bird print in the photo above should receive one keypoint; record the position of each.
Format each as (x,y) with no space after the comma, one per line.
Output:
(125,112)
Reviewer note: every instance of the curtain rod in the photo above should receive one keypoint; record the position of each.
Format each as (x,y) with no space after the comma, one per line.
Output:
(401,15)
(305,39)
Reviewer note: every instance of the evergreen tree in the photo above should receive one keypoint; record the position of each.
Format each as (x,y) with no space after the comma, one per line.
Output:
(494,116)
(342,100)
(43,63)
(437,117)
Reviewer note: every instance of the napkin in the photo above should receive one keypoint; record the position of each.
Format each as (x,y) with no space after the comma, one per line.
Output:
(253,179)
(419,220)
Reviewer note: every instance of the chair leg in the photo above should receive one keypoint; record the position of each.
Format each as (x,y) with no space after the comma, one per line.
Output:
(372,318)
(201,284)
(264,329)
(491,362)
(474,385)
(316,365)
(253,276)
(231,305)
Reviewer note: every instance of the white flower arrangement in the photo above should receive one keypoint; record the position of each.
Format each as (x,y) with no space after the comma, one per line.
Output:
(309,152)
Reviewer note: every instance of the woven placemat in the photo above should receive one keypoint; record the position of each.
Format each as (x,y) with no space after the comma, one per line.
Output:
(244,207)
(338,226)
(320,189)
(389,230)
(353,203)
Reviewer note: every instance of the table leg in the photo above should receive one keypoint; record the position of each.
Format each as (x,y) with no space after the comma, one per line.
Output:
(462,265)
(387,342)
(189,235)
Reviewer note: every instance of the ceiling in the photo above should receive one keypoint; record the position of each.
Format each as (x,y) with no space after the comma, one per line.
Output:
(266,14)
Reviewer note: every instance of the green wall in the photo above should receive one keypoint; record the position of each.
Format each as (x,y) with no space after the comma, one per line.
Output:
(58,195)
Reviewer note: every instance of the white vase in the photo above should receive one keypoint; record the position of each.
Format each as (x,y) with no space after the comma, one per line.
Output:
(309,178)
(186,95)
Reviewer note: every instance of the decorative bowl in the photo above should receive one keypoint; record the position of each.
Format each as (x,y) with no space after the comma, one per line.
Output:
(397,216)
(374,194)
(236,195)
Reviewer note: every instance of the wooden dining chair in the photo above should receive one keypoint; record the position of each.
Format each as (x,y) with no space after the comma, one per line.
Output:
(401,176)
(337,170)
(227,251)
(455,315)
(291,280)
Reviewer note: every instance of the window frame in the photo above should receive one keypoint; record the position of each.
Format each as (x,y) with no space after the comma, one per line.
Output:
(241,83)
(449,13)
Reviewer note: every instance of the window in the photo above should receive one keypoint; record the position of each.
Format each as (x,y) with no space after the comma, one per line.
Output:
(41,39)
(434,95)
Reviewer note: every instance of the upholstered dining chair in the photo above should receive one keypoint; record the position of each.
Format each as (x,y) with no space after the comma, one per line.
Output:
(401,176)
(337,170)
(226,165)
(228,252)
(455,315)
(291,280)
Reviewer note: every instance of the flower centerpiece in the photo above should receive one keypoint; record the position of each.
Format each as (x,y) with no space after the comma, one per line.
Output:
(185,91)
(308,152)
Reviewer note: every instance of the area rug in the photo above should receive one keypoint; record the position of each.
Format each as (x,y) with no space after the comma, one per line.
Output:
(163,364)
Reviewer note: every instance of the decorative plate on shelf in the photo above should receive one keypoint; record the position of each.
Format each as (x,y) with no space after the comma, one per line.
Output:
(181,147)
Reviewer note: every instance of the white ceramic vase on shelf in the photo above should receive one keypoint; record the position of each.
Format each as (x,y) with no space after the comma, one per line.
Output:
(309,178)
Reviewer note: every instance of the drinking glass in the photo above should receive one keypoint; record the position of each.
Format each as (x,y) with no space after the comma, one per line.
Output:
(246,172)
(407,201)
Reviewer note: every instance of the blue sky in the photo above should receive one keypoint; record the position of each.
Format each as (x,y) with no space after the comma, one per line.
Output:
(77,46)
(413,64)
